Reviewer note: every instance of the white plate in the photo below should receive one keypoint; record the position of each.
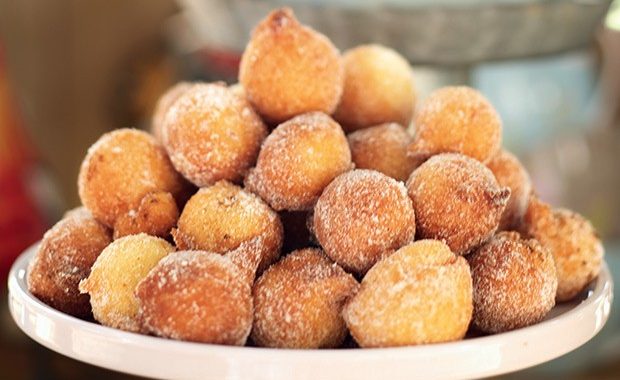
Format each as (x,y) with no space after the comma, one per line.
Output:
(567,327)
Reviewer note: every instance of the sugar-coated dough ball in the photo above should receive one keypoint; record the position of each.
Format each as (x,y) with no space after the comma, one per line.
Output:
(197,296)
(163,104)
(64,258)
(458,120)
(510,173)
(420,294)
(456,199)
(219,218)
(288,69)
(573,242)
(120,169)
(514,283)
(298,302)
(378,88)
(156,214)
(383,148)
(212,133)
(115,274)
(297,160)
(362,216)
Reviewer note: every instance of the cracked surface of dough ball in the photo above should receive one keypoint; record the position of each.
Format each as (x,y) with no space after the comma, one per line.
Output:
(457,120)
(212,133)
(156,215)
(378,88)
(197,296)
(120,169)
(165,101)
(114,276)
(573,242)
(514,283)
(456,199)
(382,148)
(64,258)
(288,69)
(362,216)
(298,302)
(510,173)
(420,294)
(297,160)
(219,218)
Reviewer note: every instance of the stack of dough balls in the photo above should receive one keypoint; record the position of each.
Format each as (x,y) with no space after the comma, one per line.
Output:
(312,205)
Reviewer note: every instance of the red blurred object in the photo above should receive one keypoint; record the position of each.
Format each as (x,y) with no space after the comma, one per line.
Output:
(21,222)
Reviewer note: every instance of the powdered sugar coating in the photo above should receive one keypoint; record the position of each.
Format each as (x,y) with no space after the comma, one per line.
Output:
(362,216)
(288,69)
(297,160)
(64,258)
(573,242)
(457,200)
(514,283)
(510,173)
(298,302)
(382,148)
(459,120)
(156,214)
(116,273)
(378,88)
(219,218)
(197,296)
(212,133)
(165,101)
(420,294)
(120,169)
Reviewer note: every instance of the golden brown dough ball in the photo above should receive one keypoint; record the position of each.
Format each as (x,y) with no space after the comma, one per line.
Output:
(514,283)
(298,302)
(456,199)
(212,133)
(382,148)
(378,88)
(120,169)
(288,69)
(156,214)
(362,216)
(457,120)
(165,101)
(196,296)
(115,274)
(64,258)
(573,242)
(297,160)
(420,294)
(220,217)
(510,173)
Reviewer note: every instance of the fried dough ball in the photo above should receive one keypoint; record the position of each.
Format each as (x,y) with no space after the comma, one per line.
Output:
(378,88)
(196,296)
(514,283)
(420,294)
(458,120)
(165,101)
(288,69)
(573,242)
(296,232)
(297,160)
(510,173)
(64,258)
(115,274)
(362,216)
(457,200)
(211,133)
(156,214)
(220,217)
(382,148)
(120,169)
(298,302)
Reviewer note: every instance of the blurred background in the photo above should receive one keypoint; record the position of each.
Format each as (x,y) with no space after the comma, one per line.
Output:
(71,70)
